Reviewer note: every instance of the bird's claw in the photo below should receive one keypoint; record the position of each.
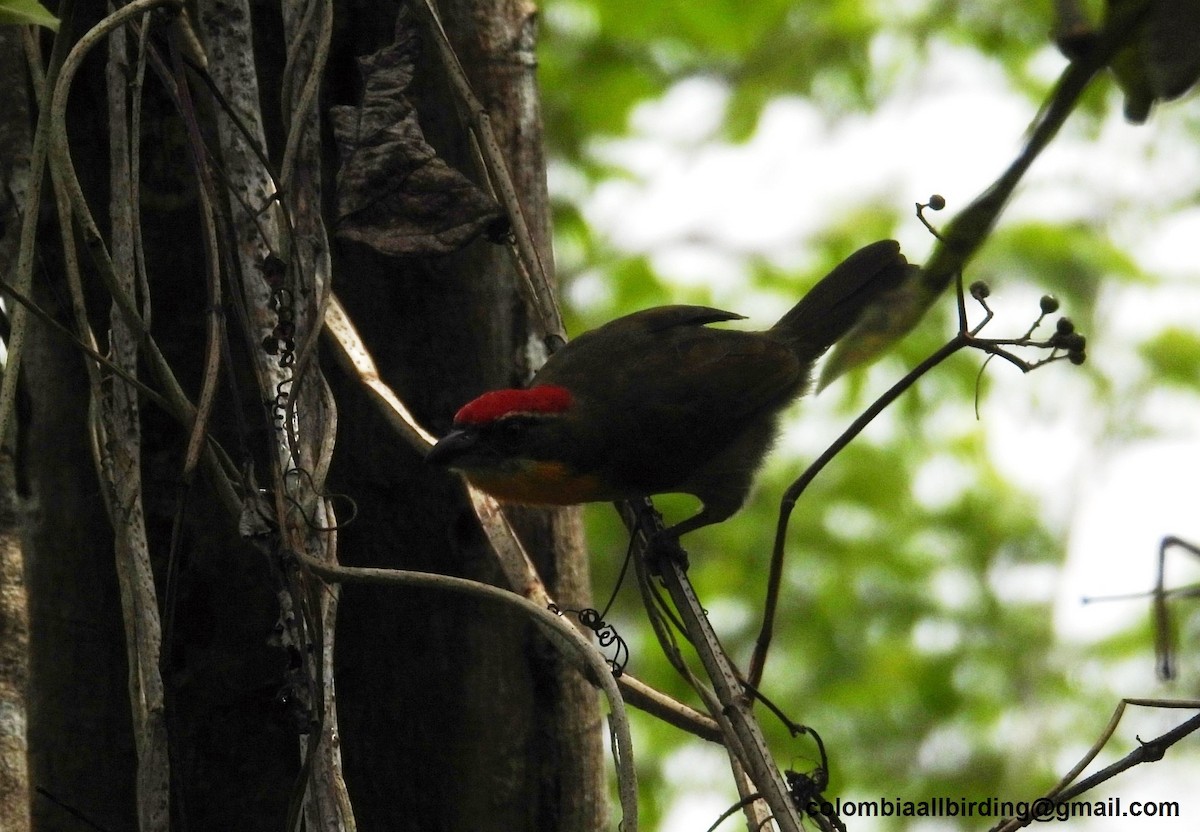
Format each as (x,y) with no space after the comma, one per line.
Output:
(663,548)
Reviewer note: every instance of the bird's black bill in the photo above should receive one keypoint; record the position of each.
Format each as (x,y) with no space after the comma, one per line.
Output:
(450,447)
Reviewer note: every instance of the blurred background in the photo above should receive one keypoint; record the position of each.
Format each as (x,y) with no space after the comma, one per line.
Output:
(932,625)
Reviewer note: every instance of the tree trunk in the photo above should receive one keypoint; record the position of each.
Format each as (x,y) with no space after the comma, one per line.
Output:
(15,141)
(452,715)
(512,741)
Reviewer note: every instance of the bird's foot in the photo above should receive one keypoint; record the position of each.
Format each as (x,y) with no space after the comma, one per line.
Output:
(662,544)
(662,549)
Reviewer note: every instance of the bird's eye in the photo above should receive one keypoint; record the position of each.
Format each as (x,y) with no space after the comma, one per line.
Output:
(511,430)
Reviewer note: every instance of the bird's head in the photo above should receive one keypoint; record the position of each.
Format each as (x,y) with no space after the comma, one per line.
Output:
(517,445)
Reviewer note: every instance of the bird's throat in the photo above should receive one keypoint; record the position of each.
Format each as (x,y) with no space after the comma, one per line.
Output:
(539,483)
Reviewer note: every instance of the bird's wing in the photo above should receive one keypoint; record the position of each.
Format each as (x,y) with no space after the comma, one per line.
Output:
(660,378)
(667,355)
(659,319)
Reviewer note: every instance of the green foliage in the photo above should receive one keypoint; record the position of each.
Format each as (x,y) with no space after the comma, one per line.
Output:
(1072,261)
(24,12)
(916,632)
(600,59)
(1174,357)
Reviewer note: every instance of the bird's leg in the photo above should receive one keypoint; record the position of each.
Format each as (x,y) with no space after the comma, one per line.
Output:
(662,544)
(714,511)
(664,548)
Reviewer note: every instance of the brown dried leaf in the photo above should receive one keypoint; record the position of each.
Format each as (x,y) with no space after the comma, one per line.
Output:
(394,192)
(1173,52)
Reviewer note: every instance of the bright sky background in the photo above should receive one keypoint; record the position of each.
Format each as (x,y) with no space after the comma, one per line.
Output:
(951,128)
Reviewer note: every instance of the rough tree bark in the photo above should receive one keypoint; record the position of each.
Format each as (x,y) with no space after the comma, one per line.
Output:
(15,140)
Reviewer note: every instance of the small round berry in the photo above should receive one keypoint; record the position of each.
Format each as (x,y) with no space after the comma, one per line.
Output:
(980,290)
(1065,326)
(937,202)
(1049,304)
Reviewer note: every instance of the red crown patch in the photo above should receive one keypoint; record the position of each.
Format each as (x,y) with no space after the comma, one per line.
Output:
(545,398)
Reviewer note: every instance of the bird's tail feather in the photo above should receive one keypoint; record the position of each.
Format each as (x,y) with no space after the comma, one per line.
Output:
(836,303)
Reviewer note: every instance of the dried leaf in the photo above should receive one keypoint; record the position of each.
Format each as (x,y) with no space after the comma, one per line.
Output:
(1161,58)
(393,191)
(1173,53)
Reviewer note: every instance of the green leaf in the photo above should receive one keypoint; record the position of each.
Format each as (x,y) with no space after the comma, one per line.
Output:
(24,12)
(1174,356)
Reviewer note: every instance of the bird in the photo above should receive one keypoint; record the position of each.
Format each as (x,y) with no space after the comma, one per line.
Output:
(659,402)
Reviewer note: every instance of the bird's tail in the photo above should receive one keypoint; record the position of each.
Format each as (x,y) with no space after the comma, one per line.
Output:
(837,302)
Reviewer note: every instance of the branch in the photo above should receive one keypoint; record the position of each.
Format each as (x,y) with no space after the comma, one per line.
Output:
(1065,343)
(788,503)
(732,708)
(1162,613)
(281,275)
(900,311)
(562,634)
(116,417)
(32,207)
(535,280)
(66,179)
(1146,752)
(967,232)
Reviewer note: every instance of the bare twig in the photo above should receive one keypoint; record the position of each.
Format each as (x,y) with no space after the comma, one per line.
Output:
(775,575)
(671,711)
(968,230)
(967,336)
(1147,752)
(535,279)
(1163,648)
(215,321)
(117,414)
(72,195)
(281,279)
(300,114)
(966,233)
(54,326)
(727,702)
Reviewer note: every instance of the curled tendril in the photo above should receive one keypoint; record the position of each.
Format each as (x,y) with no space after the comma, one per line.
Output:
(280,300)
(806,789)
(280,403)
(333,497)
(606,636)
(281,341)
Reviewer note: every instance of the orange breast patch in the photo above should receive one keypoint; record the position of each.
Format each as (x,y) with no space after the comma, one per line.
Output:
(540,483)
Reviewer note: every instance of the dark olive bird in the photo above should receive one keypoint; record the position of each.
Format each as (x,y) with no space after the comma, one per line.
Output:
(657,402)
